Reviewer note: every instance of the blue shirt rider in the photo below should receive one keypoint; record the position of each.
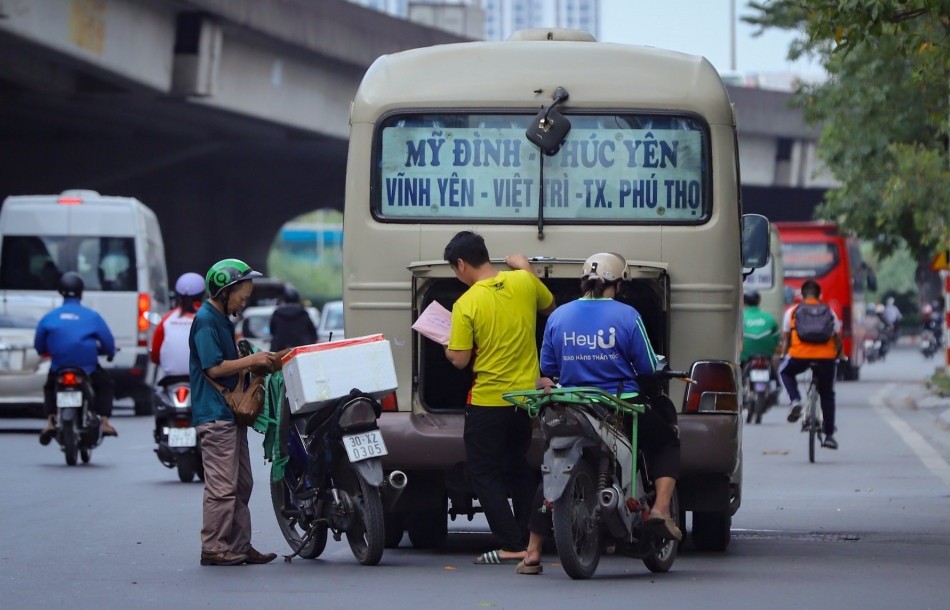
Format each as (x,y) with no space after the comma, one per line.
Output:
(74,336)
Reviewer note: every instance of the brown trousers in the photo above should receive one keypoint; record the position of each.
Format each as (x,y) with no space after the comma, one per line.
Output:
(228,483)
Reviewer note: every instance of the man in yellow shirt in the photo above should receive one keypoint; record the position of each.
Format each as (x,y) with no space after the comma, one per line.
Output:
(493,328)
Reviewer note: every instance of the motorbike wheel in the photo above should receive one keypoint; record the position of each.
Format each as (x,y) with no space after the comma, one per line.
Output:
(367,531)
(186,470)
(69,443)
(85,455)
(291,525)
(661,560)
(759,407)
(576,528)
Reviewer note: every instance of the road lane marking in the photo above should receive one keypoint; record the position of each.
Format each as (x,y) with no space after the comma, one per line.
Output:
(927,454)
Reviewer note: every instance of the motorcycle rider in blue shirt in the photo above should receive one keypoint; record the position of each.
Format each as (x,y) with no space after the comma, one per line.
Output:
(74,336)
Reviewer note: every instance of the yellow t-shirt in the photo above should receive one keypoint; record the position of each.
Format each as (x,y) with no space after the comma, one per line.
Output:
(496,319)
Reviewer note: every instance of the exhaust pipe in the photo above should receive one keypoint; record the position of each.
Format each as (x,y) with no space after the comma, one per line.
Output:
(392,488)
(610,511)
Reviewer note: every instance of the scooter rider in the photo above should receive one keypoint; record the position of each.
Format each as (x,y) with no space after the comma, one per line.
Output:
(170,341)
(74,335)
(614,353)
(760,331)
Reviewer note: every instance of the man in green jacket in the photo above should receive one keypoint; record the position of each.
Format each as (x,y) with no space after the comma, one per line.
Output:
(760,331)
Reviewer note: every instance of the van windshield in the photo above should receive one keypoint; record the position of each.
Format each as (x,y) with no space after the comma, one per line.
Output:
(809,259)
(35,262)
(614,167)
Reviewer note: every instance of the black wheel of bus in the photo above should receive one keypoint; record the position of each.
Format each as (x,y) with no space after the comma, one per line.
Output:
(85,455)
(661,560)
(366,533)
(292,523)
(70,448)
(711,530)
(428,529)
(576,528)
(395,524)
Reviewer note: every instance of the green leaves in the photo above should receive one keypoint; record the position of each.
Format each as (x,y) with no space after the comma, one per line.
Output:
(884,111)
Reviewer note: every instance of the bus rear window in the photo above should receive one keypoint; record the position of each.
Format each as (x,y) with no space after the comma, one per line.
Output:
(809,259)
(36,262)
(627,168)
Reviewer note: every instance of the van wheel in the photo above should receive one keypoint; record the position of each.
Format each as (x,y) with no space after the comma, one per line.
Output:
(711,530)
(428,529)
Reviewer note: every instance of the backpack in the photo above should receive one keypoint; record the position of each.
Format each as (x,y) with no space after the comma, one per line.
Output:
(814,322)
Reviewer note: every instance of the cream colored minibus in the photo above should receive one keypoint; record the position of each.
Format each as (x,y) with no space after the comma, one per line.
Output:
(557,146)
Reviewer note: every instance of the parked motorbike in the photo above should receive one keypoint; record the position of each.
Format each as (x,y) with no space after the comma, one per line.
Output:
(333,480)
(928,343)
(600,496)
(78,430)
(760,390)
(175,437)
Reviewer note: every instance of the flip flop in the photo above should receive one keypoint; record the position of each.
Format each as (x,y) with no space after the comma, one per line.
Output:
(494,559)
(665,527)
(524,568)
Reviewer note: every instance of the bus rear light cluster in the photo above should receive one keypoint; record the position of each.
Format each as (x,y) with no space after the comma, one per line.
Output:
(715,388)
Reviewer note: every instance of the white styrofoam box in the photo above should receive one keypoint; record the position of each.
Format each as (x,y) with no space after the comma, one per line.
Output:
(316,374)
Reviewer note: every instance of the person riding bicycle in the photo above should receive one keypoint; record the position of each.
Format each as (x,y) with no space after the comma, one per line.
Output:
(597,341)
(74,336)
(812,335)
(170,342)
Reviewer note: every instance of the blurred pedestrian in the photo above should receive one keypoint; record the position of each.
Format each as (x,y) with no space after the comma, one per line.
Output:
(290,324)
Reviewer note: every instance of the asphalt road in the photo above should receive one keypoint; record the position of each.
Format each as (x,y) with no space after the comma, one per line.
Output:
(865,527)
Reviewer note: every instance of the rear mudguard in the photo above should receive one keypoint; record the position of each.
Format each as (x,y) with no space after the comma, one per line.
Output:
(370,470)
(69,413)
(560,457)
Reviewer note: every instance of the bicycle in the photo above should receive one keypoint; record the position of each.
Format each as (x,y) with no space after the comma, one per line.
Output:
(811,422)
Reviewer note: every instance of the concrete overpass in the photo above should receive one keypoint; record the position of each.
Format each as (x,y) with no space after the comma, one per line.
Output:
(230,117)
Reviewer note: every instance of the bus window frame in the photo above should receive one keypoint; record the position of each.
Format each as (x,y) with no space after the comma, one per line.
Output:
(375,191)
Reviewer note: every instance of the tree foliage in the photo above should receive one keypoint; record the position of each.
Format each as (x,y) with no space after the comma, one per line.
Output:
(883,111)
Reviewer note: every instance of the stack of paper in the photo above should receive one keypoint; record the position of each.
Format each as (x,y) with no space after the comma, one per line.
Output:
(435,323)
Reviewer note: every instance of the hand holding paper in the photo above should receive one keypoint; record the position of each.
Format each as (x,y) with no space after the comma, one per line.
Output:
(435,323)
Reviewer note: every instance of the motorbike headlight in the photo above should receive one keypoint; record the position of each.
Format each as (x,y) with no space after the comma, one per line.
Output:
(358,413)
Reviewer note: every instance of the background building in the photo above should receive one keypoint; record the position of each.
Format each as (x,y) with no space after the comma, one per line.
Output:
(494,19)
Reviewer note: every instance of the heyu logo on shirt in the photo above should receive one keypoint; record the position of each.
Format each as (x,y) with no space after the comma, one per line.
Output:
(592,341)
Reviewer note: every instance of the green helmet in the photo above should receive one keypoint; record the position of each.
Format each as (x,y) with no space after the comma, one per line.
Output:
(226,273)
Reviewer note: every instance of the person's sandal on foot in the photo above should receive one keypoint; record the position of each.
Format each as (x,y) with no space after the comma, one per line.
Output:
(665,527)
(795,413)
(107,429)
(49,432)
(256,557)
(494,558)
(528,568)
(224,558)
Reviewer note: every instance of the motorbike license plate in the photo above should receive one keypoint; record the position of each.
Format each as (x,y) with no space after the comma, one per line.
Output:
(364,446)
(182,437)
(68,399)
(759,375)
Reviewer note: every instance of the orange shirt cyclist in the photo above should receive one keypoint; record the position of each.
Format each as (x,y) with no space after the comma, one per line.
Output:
(797,356)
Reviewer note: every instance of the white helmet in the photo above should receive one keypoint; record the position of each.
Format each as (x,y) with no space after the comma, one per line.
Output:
(606,266)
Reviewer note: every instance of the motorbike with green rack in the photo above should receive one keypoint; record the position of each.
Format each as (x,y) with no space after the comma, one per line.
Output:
(595,479)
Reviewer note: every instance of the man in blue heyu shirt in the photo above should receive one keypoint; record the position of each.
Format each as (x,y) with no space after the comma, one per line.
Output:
(74,335)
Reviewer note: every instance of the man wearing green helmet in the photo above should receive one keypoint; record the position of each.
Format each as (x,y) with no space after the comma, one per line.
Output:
(226,529)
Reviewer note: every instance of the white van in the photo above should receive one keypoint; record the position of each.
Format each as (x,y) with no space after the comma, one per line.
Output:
(115,244)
